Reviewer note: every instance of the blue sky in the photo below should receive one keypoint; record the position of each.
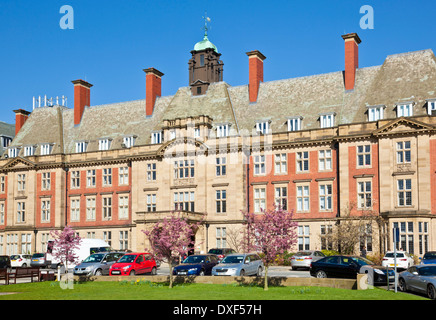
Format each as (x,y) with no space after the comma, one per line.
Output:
(113,41)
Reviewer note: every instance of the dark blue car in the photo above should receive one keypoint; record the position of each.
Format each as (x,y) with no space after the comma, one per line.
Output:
(199,265)
(429,258)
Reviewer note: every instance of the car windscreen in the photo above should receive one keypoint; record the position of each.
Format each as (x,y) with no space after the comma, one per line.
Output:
(427,271)
(233,259)
(362,261)
(303,253)
(215,251)
(38,255)
(430,255)
(127,258)
(391,255)
(3,258)
(99,249)
(194,259)
(94,258)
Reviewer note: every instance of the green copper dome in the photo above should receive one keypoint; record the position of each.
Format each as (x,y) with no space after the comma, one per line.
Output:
(205,44)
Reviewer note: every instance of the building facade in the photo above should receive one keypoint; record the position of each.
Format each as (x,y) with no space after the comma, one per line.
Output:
(354,145)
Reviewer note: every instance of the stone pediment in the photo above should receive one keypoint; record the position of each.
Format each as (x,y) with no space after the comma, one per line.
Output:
(403,126)
(19,163)
(182,146)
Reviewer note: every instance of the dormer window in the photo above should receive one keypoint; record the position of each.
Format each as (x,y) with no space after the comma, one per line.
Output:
(104,144)
(46,149)
(431,107)
(156,137)
(327,120)
(29,151)
(294,123)
(196,132)
(81,146)
(222,130)
(128,141)
(405,110)
(13,152)
(173,134)
(262,127)
(375,113)
(5,141)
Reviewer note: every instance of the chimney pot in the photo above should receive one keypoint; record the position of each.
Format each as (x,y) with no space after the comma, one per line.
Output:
(255,69)
(352,41)
(153,88)
(21,116)
(82,98)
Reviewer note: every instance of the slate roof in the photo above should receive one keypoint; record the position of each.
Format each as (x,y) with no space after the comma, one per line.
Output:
(402,78)
(6,130)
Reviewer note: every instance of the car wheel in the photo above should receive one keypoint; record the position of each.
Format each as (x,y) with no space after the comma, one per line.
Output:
(132,273)
(23,265)
(98,272)
(202,273)
(431,292)
(321,274)
(259,272)
(153,271)
(242,273)
(402,285)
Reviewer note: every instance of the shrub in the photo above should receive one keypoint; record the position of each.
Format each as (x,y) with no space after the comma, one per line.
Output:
(330,252)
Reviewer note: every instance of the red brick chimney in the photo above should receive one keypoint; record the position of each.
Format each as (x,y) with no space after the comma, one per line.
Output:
(255,70)
(352,41)
(20,117)
(82,98)
(153,88)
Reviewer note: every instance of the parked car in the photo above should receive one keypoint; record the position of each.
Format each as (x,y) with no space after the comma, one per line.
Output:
(5,262)
(420,278)
(39,260)
(199,265)
(303,259)
(20,260)
(221,252)
(97,264)
(132,264)
(239,264)
(349,267)
(429,258)
(404,260)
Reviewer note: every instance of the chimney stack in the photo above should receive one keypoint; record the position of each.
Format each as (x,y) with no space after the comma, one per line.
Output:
(153,88)
(20,118)
(82,98)
(255,69)
(352,41)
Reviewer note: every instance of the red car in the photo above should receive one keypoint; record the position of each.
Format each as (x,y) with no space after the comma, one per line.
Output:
(133,263)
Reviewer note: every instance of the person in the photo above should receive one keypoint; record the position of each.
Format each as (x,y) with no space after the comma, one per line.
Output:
(363,252)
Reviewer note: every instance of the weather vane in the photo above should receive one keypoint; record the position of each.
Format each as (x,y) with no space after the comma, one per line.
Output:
(206,20)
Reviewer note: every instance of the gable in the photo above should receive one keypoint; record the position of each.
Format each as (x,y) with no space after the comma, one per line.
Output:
(403,125)
(18,163)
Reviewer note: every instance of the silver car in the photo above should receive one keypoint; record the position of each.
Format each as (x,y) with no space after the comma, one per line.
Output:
(97,264)
(303,259)
(420,278)
(239,264)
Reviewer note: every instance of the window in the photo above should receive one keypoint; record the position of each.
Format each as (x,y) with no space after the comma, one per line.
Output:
(75,209)
(302,161)
(2,213)
(303,238)
(198,90)
(26,242)
(221,169)
(431,106)
(403,152)
(294,124)
(423,237)
(281,197)
(259,164)
(404,192)
(21,182)
(405,110)
(123,207)
(45,211)
(90,208)
(46,149)
(107,237)
(259,199)
(13,152)
(129,141)
(104,144)
(81,146)
(326,242)
(21,211)
(221,201)
(2,184)
(406,240)
(151,202)
(123,175)
(262,127)
(302,198)
(45,180)
(280,163)
(324,160)
(364,195)
(75,179)
(221,237)
(366,237)
(196,132)
(375,113)
(107,176)
(124,240)
(5,141)
(325,197)
(90,178)
(151,172)
(184,169)
(364,155)
(327,120)
(29,151)
(156,137)
(107,208)
(90,235)
(222,130)
(184,201)
(201,60)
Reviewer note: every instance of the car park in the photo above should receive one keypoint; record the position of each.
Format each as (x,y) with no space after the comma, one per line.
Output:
(97,264)
(39,260)
(429,258)
(221,252)
(404,260)
(5,262)
(199,265)
(348,267)
(303,259)
(133,264)
(420,278)
(239,264)
(20,260)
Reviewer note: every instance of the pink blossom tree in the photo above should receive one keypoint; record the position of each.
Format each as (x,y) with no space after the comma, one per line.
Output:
(65,245)
(270,233)
(171,236)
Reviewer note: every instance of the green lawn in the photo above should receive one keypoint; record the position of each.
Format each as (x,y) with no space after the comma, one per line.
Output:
(144,290)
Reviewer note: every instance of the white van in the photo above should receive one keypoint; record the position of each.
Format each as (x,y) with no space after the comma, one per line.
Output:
(86,248)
